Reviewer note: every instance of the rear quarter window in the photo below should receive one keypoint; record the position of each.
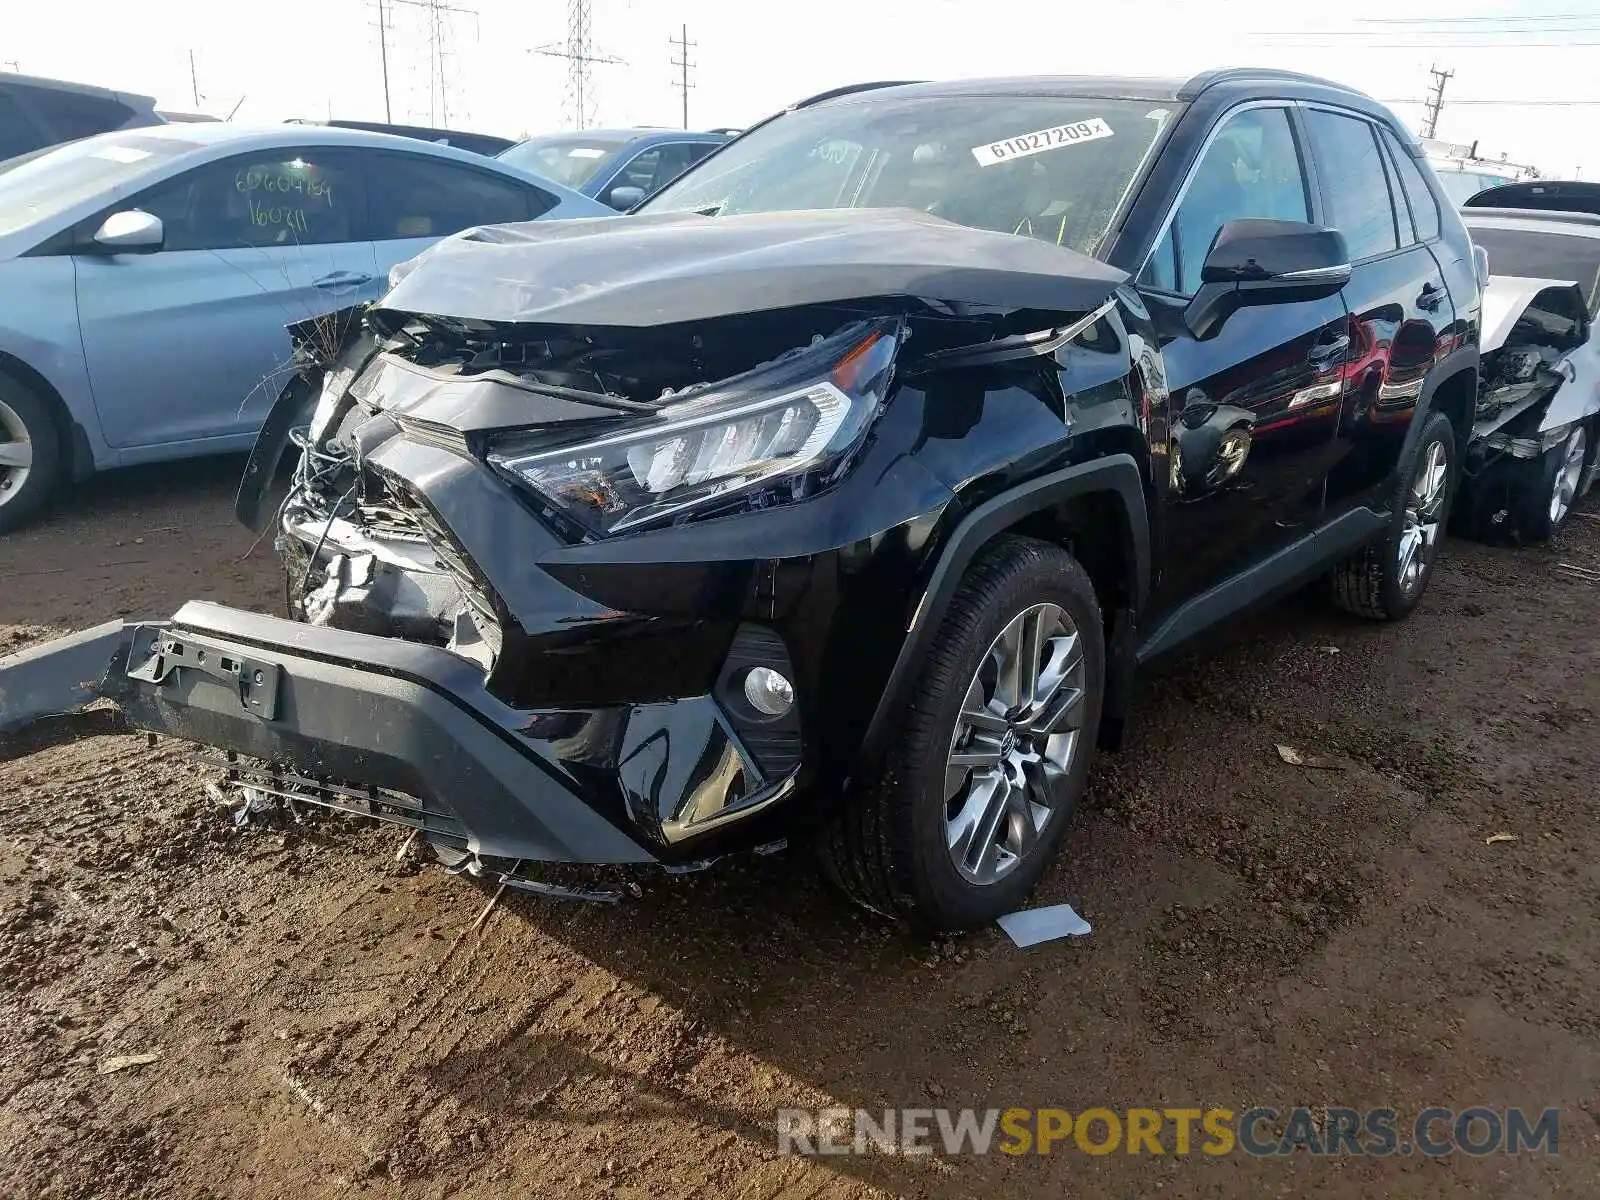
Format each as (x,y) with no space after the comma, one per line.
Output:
(1419,196)
(72,115)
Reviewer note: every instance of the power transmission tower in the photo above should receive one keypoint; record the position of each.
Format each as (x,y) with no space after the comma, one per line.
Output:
(580,55)
(383,55)
(1435,100)
(438,14)
(683,64)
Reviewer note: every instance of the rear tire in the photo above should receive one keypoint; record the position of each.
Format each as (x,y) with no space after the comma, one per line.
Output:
(987,767)
(30,453)
(1386,579)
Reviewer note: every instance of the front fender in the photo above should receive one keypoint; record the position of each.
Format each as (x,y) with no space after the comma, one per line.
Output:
(1117,474)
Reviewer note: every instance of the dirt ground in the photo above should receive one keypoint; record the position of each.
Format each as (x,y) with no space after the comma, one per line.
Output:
(328,1023)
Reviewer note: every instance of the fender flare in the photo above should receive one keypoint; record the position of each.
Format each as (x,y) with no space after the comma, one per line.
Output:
(1117,474)
(1460,360)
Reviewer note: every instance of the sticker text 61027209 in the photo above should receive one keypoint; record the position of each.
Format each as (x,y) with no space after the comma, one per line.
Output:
(1041,140)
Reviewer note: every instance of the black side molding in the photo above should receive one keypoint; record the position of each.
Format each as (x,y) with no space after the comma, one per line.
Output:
(1116,473)
(1263,582)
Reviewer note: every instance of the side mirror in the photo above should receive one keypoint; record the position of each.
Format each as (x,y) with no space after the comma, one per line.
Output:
(623,197)
(130,232)
(1255,261)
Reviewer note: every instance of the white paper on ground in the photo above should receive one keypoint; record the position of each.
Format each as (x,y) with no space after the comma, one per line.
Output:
(1034,925)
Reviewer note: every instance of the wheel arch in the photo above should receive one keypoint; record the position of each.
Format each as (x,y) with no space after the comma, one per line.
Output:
(1098,505)
(76,455)
(1452,389)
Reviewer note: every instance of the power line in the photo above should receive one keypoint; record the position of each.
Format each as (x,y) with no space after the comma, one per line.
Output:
(1313,44)
(1366,36)
(1583,16)
(683,64)
(1501,103)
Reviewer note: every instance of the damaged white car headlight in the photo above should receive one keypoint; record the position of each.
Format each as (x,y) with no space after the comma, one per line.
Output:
(778,433)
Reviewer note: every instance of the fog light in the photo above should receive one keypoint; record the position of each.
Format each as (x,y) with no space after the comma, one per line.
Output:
(769,692)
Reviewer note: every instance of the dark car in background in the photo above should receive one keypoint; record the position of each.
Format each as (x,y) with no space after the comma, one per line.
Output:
(35,113)
(619,167)
(487,144)
(1546,195)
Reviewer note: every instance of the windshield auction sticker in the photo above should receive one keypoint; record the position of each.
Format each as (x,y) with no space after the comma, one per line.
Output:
(1038,142)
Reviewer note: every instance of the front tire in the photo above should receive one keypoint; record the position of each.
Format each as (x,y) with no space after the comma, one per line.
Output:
(1386,579)
(30,453)
(993,749)
(1545,490)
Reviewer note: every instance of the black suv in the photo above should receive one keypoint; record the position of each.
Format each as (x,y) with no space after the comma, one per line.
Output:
(838,494)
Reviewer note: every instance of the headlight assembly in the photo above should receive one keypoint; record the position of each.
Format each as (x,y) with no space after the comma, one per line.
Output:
(774,434)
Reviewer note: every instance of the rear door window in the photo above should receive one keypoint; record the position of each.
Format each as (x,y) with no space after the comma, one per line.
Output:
(418,197)
(1354,185)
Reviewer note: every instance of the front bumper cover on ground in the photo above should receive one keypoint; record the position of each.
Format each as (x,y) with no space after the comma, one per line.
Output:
(628,784)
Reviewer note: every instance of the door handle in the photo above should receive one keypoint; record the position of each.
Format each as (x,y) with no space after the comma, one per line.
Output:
(1430,297)
(1324,353)
(336,280)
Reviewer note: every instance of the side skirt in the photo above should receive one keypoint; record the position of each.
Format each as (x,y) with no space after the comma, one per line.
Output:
(1270,579)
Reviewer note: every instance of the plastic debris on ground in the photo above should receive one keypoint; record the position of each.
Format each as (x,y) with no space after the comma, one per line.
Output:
(1034,925)
(125,1060)
(1299,758)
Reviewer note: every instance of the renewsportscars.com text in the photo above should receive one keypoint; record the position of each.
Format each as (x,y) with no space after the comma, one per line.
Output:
(1323,1130)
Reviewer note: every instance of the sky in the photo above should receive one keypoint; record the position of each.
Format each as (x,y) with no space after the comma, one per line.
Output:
(1526,77)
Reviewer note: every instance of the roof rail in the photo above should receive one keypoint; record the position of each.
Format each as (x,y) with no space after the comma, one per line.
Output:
(1210,79)
(850,89)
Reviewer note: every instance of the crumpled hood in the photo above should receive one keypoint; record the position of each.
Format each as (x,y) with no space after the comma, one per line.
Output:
(662,269)
(1506,298)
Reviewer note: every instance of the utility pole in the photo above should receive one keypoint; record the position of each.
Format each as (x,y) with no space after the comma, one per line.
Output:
(580,55)
(194,82)
(14,65)
(683,64)
(383,56)
(1435,100)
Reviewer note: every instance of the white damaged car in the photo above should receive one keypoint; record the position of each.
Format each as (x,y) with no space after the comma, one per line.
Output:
(1533,451)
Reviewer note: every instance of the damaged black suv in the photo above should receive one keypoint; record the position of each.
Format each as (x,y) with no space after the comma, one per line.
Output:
(836,494)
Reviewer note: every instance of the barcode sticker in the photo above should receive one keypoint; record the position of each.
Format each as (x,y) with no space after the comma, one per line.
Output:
(1041,140)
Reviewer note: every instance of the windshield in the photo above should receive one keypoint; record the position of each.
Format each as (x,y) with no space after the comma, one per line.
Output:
(1542,255)
(572,161)
(1461,186)
(36,186)
(1053,168)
